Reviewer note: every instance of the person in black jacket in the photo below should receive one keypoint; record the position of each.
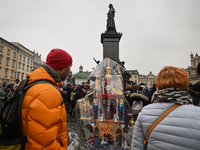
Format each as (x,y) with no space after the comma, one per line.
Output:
(198,69)
(69,90)
(151,93)
(77,91)
(194,92)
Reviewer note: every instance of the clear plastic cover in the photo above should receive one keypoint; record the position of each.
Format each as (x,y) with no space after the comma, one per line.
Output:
(103,118)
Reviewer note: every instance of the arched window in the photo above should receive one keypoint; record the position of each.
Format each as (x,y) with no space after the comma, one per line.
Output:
(96,132)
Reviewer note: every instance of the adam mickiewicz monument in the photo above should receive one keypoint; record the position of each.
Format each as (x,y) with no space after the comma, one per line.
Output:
(110,39)
(110,19)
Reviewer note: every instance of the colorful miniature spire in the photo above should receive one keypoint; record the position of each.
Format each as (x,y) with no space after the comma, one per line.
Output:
(96,81)
(119,75)
(96,84)
(108,71)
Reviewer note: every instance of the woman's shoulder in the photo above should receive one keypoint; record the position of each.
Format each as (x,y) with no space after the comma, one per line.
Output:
(167,105)
(159,108)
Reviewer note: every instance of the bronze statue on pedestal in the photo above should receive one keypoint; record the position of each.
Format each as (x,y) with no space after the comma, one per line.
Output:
(110,19)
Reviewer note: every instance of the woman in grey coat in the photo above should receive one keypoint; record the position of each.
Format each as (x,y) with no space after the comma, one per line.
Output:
(180,129)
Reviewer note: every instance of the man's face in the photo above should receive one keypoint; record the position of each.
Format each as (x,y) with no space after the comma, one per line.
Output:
(65,73)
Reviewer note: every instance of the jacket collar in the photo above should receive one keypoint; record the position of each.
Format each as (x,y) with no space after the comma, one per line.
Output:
(51,72)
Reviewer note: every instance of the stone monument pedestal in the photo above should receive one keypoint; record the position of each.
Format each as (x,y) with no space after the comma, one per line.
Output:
(110,41)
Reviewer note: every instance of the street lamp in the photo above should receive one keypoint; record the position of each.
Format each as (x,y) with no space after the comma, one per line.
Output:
(126,77)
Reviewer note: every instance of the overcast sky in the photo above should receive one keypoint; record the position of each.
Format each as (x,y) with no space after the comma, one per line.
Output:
(156,33)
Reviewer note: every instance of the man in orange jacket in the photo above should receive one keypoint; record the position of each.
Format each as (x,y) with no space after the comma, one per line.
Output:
(44,120)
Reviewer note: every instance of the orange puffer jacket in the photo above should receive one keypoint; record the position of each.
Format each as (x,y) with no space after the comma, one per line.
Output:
(44,120)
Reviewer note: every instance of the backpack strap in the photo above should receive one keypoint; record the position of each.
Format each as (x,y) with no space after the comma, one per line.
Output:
(40,81)
(24,92)
(158,120)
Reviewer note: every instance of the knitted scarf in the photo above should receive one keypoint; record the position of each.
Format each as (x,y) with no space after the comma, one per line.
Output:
(174,95)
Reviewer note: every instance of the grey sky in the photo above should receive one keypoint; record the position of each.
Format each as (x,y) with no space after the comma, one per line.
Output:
(156,33)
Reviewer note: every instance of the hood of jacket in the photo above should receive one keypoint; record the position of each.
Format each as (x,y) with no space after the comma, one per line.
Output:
(44,73)
(138,97)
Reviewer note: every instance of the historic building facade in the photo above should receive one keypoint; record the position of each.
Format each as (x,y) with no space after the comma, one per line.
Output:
(8,61)
(134,76)
(25,61)
(37,60)
(191,70)
(149,80)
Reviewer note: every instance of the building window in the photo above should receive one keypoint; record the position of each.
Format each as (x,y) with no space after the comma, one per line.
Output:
(30,69)
(19,65)
(6,72)
(135,76)
(14,55)
(17,75)
(22,76)
(31,62)
(135,81)
(23,66)
(27,67)
(1,56)
(1,49)
(7,61)
(13,63)
(28,61)
(20,57)
(12,74)
(24,59)
(8,52)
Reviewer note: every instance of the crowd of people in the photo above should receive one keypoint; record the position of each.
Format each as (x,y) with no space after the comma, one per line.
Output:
(44,120)
(140,93)
(71,93)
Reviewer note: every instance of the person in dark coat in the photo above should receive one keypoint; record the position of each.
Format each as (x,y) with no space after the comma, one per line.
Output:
(190,85)
(194,92)
(77,91)
(146,92)
(69,90)
(84,90)
(5,93)
(135,87)
(151,93)
(198,68)
(63,92)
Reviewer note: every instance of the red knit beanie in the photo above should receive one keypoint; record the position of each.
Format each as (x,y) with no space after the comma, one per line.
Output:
(58,59)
